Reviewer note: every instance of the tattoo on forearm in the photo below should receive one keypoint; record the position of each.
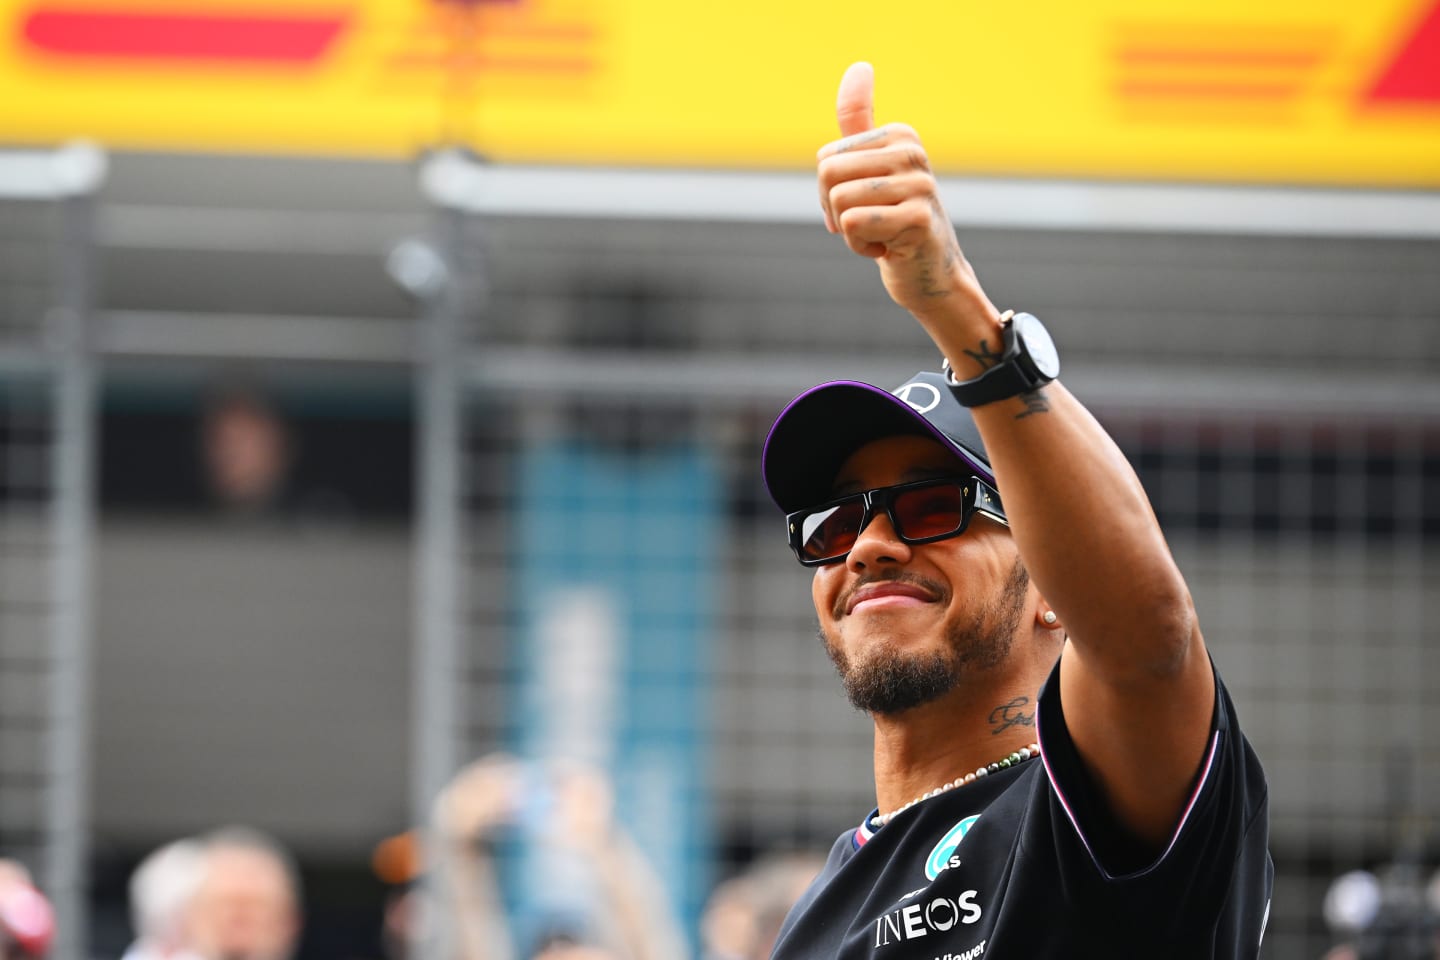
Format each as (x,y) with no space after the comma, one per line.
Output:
(986,357)
(1012,713)
(1035,402)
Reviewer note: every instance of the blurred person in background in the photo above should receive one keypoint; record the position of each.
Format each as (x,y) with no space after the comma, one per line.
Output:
(162,892)
(568,809)
(1392,913)
(744,914)
(247,903)
(27,923)
(565,947)
(247,450)
(980,635)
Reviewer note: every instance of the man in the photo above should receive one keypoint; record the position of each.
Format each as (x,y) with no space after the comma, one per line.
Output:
(1119,812)
(162,890)
(247,903)
(248,452)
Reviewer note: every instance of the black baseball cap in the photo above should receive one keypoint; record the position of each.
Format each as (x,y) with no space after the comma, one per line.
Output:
(821,428)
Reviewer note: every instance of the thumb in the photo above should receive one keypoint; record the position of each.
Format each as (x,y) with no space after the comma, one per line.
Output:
(855,103)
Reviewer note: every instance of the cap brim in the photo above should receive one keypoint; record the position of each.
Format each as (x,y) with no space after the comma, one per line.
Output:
(821,428)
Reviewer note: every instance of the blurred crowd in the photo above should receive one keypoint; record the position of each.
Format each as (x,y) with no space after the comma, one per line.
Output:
(456,886)
(233,894)
(236,893)
(608,904)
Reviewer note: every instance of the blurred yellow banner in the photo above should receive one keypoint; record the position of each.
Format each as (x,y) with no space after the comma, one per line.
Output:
(1292,91)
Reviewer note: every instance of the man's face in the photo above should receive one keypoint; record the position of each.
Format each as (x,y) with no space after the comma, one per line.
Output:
(905,624)
(247,453)
(244,909)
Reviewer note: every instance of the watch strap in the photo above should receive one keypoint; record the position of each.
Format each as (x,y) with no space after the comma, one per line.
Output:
(1008,378)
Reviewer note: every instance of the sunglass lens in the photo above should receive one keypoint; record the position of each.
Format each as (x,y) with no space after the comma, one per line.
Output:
(929,511)
(831,531)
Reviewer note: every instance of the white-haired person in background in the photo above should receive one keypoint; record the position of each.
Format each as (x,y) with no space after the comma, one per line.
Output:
(247,904)
(162,889)
(232,894)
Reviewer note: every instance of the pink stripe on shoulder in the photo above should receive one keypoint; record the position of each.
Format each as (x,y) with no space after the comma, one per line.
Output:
(1179,827)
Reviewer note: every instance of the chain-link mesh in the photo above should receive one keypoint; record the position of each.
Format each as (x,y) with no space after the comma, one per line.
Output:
(1310,547)
(25,655)
(1306,528)
(46,421)
(29,235)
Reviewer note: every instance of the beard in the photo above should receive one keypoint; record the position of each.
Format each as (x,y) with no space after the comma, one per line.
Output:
(890,681)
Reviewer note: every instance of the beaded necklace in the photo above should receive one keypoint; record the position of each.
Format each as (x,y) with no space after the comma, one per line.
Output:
(1019,756)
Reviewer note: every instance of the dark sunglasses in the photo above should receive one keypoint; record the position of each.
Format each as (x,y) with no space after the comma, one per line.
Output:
(920,512)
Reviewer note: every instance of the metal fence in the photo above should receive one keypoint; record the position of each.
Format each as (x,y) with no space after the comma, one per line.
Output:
(46,425)
(1309,546)
(592,404)
(1303,505)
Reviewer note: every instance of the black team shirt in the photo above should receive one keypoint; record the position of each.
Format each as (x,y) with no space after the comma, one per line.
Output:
(1014,865)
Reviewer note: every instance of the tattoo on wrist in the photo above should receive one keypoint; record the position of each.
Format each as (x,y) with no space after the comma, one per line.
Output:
(986,357)
(1012,713)
(929,287)
(1035,402)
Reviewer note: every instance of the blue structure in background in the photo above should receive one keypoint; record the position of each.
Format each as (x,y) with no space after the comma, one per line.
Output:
(616,569)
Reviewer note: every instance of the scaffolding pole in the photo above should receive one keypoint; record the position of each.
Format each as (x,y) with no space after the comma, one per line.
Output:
(429,272)
(70,344)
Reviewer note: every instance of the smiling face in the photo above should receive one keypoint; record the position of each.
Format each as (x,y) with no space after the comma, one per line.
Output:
(906,624)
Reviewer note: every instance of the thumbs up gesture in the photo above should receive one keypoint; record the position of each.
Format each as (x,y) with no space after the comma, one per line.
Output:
(855,103)
(877,191)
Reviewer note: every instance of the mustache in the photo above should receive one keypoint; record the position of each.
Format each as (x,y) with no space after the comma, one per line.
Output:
(842,602)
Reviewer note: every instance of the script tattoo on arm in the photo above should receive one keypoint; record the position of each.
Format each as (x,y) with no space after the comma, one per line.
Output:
(930,285)
(986,357)
(1035,402)
(1015,712)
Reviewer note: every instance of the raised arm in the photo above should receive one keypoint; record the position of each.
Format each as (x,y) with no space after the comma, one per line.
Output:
(472,805)
(1135,680)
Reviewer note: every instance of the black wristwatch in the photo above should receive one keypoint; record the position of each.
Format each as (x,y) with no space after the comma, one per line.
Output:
(1028,363)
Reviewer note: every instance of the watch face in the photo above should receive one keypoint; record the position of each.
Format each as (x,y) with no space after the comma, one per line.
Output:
(1038,345)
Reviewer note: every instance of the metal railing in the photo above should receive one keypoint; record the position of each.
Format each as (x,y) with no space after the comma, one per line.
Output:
(50,349)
